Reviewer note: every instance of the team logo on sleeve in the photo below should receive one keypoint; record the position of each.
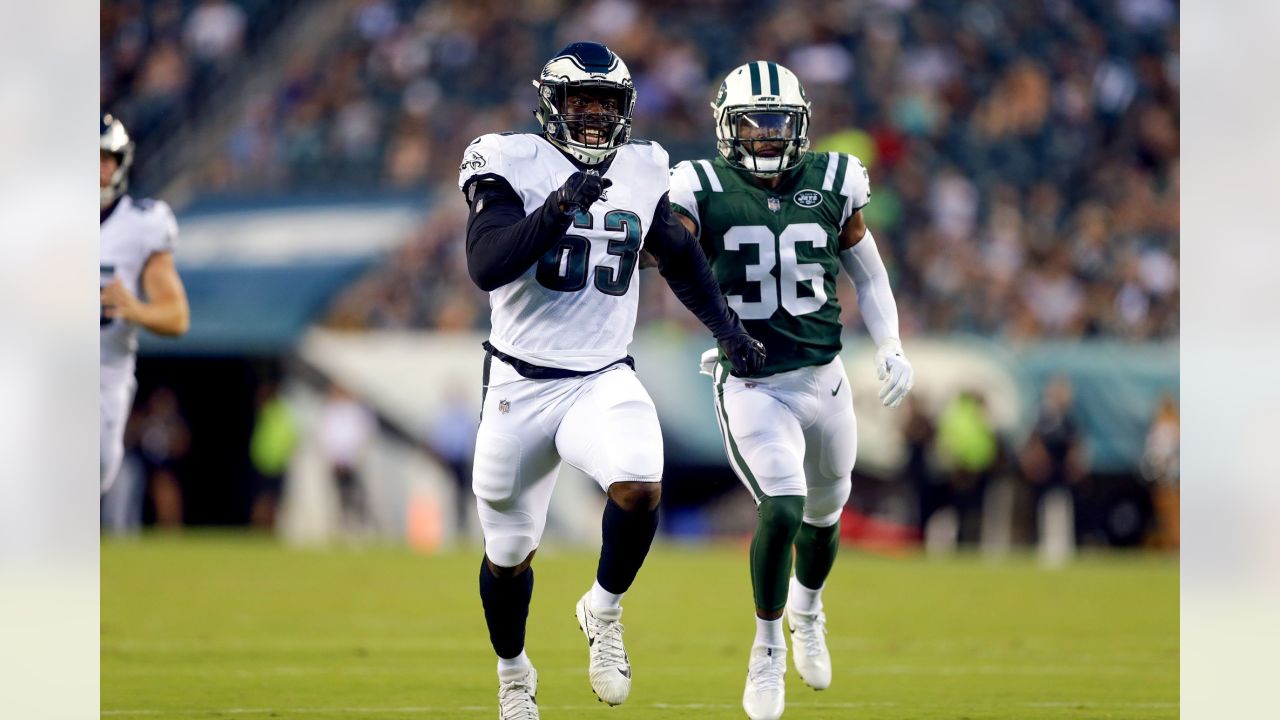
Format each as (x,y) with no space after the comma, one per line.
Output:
(808,198)
(473,161)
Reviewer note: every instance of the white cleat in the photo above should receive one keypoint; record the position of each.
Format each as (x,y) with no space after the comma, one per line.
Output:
(518,694)
(765,695)
(809,644)
(610,668)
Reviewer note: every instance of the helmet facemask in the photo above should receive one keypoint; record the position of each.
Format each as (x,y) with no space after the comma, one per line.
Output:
(588,132)
(590,137)
(764,140)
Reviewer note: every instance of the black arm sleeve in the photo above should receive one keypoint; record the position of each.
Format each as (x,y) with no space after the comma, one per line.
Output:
(685,267)
(502,242)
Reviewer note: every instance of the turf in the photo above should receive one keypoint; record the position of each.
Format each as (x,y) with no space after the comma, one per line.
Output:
(233,626)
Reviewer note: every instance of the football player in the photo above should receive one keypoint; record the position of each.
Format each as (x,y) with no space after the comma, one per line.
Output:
(557,222)
(777,224)
(138,286)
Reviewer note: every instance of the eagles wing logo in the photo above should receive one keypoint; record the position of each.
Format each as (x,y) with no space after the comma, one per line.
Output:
(473,161)
(808,198)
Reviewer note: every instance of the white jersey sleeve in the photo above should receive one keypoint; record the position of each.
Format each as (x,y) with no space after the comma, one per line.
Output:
(856,188)
(484,156)
(684,183)
(164,237)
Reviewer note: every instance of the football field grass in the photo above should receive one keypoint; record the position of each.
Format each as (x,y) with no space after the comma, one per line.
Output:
(228,626)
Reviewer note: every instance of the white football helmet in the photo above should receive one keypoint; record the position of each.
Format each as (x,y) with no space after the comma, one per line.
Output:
(115,140)
(592,68)
(762,119)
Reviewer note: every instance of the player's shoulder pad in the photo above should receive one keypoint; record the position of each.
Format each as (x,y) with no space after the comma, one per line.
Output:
(494,154)
(857,183)
(161,226)
(650,150)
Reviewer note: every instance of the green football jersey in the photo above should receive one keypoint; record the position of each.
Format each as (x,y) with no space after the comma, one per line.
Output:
(776,252)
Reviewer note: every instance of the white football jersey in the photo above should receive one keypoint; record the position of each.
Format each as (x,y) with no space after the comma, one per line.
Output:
(127,238)
(576,307)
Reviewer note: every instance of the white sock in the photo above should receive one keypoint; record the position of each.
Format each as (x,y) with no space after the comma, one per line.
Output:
(802,599)
(514,667)
(769,632)
(601,599)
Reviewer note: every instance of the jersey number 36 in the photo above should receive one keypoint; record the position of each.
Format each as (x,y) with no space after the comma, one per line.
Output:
(785,288)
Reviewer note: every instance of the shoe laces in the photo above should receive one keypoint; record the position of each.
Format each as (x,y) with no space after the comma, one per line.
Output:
(809,628)
(766,670)
(516,700)
(608,641)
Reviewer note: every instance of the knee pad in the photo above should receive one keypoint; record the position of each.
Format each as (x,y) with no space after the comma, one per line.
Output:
(839,446)
(778,470)
(495,473)
(825,503)
(508,550)
(783,513)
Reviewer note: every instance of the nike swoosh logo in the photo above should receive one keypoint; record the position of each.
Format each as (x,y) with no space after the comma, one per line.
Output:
(625,673)
(833,392)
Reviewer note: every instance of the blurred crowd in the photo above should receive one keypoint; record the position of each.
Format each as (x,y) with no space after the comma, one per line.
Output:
(1024,154)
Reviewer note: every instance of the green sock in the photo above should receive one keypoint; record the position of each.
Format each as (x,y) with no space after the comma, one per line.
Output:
(779,520)
(815,553)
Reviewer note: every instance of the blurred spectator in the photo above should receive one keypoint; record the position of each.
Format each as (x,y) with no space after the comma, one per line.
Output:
(451,436)
(919,433)
(1160,467)
(968,450)
(271,447)
(163,442)
(215,30)
(1053,459)
(347,430)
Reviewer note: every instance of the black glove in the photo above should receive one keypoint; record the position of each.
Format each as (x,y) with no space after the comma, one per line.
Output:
(745,353)
(579,191)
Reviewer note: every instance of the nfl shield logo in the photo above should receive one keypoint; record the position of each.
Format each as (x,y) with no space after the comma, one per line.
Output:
(774,204)
(504,407)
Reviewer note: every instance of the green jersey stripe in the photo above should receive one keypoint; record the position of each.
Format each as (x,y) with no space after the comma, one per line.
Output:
(731,445)
(775,87)
(829,180)
(700,173)
(711,177)
(841,179)
(755,79)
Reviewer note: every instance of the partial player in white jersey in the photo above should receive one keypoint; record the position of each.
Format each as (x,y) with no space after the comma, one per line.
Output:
(139,287)
(556,227)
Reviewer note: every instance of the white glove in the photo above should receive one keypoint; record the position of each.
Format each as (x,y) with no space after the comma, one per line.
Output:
(894,370)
